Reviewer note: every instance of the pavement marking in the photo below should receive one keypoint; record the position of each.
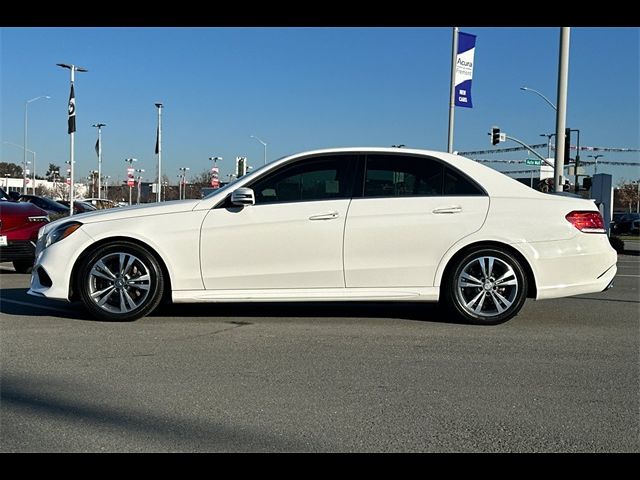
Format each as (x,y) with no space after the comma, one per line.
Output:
(637,276)
(46,307)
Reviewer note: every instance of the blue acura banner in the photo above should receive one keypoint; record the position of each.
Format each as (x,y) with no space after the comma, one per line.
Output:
(464,69)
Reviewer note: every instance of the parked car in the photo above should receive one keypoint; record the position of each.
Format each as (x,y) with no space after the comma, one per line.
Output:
(336,224)
(19,225)
(51,206)
(101,203)
(628,223)
(615,218)
(78,206)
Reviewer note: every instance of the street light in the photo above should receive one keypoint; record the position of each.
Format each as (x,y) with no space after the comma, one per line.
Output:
(595,158)
(72,126)
(548,135)
(139,178)
(24,174)
(183,174)
(527,89)
(214,172)
(106,186)
(99,127)
(264,144)
(130,169)
(34,162)
(159,152)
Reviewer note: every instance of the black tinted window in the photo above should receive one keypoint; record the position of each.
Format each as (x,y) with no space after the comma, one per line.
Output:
(456,184)
(320,178)
(401,176)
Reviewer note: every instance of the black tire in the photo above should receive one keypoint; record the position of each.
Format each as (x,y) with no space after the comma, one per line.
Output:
(23,266)
(486,286)
(120,282)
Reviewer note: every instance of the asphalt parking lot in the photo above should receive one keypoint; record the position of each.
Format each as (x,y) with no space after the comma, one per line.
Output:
(563,376)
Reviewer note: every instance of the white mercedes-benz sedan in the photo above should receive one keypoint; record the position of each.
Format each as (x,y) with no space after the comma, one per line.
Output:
(345,224)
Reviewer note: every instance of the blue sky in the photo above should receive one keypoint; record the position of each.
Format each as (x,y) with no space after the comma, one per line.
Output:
(305,88)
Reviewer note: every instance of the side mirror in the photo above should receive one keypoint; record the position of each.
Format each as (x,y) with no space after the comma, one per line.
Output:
(243,197)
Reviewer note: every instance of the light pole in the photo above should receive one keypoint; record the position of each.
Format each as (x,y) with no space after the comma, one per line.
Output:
(34,162)
(527,89)
(130,171)
(159,152)
(183,186)
(99,148)
(215,178)
(93,182)
(264,144)
(26,114)
(71,125)
(106,186)
(139,178)
(595,158)
(548,135)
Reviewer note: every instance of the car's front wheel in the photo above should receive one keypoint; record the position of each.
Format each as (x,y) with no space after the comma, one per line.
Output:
(486,286)
(120,282)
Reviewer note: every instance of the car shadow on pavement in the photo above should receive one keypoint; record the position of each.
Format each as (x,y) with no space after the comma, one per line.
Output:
(419,311)
(16,301)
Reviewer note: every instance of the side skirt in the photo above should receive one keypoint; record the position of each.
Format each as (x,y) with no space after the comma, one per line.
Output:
(413,294)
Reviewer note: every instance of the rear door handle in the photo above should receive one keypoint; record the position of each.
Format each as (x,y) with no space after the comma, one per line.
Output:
(324,216)
(443,210)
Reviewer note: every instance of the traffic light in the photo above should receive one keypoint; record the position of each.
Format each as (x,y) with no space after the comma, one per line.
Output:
(586,183)
(567,145)
(495,135)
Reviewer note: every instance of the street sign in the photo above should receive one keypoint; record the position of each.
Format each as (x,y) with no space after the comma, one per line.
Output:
(533,161)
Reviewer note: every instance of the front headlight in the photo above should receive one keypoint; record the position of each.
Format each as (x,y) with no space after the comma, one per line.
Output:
(60,233)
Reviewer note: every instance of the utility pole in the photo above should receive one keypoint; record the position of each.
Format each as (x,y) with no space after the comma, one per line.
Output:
(561,114)
(159,152)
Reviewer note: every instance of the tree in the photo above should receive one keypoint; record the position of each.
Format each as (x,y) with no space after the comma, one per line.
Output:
(14,171)
(626,195)
(51,171)
(203,179)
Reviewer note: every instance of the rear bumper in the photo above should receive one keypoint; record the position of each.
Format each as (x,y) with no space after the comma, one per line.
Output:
(584,264)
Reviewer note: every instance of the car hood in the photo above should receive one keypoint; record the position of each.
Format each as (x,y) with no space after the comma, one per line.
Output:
(133,211)
(14,214)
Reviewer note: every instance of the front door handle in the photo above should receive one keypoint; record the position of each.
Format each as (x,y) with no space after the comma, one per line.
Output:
(443,210)
(324,216)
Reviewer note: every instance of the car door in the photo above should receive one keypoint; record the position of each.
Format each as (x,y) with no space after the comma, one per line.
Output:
(411,210)
(291,238)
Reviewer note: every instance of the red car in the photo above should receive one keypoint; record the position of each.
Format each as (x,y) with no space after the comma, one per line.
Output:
(19,225)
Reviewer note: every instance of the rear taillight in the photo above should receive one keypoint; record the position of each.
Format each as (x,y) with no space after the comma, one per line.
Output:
(587,221)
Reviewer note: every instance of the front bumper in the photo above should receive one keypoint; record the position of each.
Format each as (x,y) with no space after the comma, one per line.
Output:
(17,250)
(51,276)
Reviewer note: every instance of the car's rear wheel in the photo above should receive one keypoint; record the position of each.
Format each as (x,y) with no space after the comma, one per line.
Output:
(23,266)
(120,282)
(486,286)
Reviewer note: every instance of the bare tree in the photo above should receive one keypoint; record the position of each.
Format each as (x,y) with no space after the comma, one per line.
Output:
(626,195)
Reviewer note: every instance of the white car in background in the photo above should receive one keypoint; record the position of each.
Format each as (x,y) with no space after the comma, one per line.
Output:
(336,225)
